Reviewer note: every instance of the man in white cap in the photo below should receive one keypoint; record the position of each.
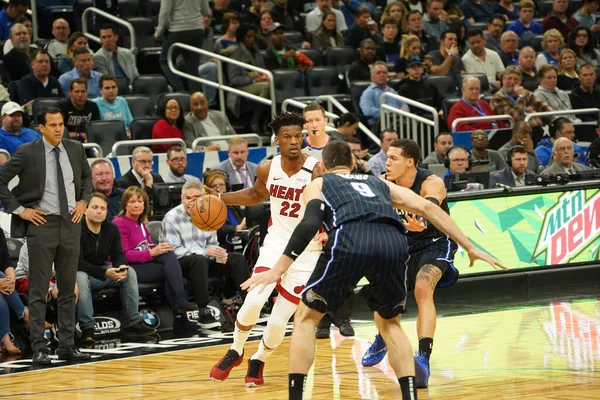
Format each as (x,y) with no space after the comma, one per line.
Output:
(12,133)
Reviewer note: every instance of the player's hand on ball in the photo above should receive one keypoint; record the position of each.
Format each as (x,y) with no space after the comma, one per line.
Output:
(260,280)
(211,191)
(414,223)
(321,237)
(476,254)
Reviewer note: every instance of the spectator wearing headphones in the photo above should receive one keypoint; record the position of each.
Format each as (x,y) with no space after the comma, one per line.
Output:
(458,160)
(522,136)
(516,173)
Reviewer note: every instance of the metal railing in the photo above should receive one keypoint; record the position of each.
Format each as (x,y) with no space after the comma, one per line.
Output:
(409,125)
(5,153)
(562,112)
(502,117)
(117,20)
(250,138)
(299,104)
(148,142)
(94,146)
(219,84)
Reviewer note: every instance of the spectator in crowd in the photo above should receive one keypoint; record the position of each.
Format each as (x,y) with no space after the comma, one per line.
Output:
(114,60)
(241,172)
(567,75)
(349,7)
(363,28)
(582,43)
(39,83)
(103,181)
(184,23)
(346,126)
(78,111)
(13,134)
(266,19)
(471,106)
(102,265)
(177,162)
(17,62)
(286,15)
(507,9)
(558,18)
(594,149)
(316,122)
(586,15)
(13,10)
(525,27)
(83,69)
(529,75)
(414,26)
(516,101)
(516,173)
(552,43)
(476,10)
(396,11)
(362,156)
(281,56)
(585,94)
(493,32)
(377,162)
(564,159)
(370,99)
(480,142)
(411,46)
(446,60)
(458,160)
(110,104)
(152,263)
(557,99)
(461,38)
(360,70)
(60,32)
(443,142)
(481,60)
(140,174)
(171,123)
(26,21)
(208,66)
(227,42)
(220,8)
(251,15)
(327,35)
(559,128)
(389,40)
(199,253)
(314,18)
(416,88)
(435,20)
(522,136)
(77,40)
(508,49)
(205,122)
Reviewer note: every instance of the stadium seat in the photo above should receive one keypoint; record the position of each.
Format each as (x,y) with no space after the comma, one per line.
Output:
(123,85)
(144,31)
(182,97)
(483,80)
(447,105)
(356,90)
(544,7)
(151,85)
(106,133)
(154,229)
(322,81)
(445,84)
(141,128)
(12,91)
(148,61)
(477,25)
(394,83)
(129,8)
(340,57)
(140,105)
(315,55)
(40,104)
(293,37)
(288,84)
(536,43)
(79,7)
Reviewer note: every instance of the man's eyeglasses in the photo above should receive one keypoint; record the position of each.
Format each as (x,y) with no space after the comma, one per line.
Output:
(145,162)
(178,160)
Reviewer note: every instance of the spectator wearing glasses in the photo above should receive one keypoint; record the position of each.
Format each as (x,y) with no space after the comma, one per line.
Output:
(559,128)
(171,124)
(140,174)
(480,142)
(177,162)
(583,44)
(522,136)
(563,155)
(493,33)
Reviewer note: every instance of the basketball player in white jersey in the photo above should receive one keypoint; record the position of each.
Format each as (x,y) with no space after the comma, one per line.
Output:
(283,179)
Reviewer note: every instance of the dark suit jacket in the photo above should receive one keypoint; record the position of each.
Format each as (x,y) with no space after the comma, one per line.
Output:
(505,177)
(29,163)
(17,64)
(129,180)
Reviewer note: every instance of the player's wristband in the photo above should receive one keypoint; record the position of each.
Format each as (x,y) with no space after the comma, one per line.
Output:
(306,229)
(433,200)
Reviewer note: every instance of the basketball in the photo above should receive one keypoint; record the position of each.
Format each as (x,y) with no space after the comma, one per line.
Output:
(208,213)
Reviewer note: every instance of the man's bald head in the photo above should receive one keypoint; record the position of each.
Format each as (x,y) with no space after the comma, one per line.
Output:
(199,105)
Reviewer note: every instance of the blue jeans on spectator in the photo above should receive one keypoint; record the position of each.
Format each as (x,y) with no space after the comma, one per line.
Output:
(128,290)
(209,71)
(11,301)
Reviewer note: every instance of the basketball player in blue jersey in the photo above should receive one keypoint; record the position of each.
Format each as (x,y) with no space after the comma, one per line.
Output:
(366,239)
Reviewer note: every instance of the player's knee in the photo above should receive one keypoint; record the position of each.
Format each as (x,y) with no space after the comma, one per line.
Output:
(423,290)
(384,325)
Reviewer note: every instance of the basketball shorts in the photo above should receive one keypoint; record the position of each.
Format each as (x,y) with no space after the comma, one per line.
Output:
(356,250)
(293,282)
(438,252)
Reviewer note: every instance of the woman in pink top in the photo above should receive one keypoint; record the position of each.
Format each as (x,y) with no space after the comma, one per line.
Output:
(152,263)
(170,124)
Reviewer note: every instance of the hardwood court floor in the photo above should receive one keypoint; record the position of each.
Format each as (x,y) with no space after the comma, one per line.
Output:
(548,352)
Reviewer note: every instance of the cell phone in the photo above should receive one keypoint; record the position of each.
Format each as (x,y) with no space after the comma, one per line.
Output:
(121,269)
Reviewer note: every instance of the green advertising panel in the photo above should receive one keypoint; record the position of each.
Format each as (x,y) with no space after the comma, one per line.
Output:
(531,230)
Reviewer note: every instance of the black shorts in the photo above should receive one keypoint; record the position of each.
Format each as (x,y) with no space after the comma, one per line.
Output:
(375,251)
(438,252)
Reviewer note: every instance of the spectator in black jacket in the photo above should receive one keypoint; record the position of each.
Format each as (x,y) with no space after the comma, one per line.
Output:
(585,94)
(17,61)
(39,84)
(279,55)
(287,16)
(360,70)
(364,28)
(414,87)
(101,240)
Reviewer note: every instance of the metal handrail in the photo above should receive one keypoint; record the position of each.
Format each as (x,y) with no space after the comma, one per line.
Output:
(435,122)
(562,112)
(254,138)
(219,84)
(502,117)
(139,142)
(84,26)
(332,101)
(6,153)
(299,104)
(94,146)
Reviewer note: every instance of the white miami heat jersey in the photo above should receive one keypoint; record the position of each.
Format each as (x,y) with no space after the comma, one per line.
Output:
(287,201)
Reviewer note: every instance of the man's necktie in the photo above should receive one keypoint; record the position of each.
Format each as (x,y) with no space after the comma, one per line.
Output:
(62,192)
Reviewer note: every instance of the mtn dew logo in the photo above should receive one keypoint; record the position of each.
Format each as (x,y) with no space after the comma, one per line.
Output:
(569,227)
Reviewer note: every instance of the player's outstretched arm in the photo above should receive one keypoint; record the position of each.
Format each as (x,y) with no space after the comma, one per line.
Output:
(407,200)
(252,195)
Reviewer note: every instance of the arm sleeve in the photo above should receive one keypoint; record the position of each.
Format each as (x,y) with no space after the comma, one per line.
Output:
(306,229)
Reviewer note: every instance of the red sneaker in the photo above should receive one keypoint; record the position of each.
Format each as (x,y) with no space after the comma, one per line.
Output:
(254,376)
(221,370)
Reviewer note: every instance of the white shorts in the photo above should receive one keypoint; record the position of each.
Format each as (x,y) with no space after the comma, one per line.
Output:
(292,283)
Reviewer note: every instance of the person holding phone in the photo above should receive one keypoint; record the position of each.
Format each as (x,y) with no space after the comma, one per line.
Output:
(101,240)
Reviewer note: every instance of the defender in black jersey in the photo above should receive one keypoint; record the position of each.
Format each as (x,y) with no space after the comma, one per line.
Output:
(366,239)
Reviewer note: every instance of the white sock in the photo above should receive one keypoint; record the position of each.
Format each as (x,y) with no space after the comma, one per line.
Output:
(239,339)
(275,330)
(262,353)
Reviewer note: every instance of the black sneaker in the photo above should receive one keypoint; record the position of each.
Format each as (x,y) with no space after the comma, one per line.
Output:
(182,323)
(322,333)
(344,326)
(87,336)
(140,329)
(207,320)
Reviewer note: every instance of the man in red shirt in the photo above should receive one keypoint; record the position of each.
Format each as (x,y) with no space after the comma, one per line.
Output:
(471,106)
(558,18)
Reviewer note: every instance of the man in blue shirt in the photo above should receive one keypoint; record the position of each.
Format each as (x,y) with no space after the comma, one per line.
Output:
(83,69)
(525,27)
(370,100)
(14,10)
(12,133)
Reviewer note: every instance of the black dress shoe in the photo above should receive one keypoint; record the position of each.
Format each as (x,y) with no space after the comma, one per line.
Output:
(72,353)
(41,357)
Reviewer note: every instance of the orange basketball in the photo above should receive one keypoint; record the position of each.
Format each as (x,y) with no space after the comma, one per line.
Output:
(208,213)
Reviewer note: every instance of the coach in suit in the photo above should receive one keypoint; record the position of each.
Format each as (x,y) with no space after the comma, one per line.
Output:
(48,203)
(237,167)
(110,57)
(563,153)
(516,174)
(206,123)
